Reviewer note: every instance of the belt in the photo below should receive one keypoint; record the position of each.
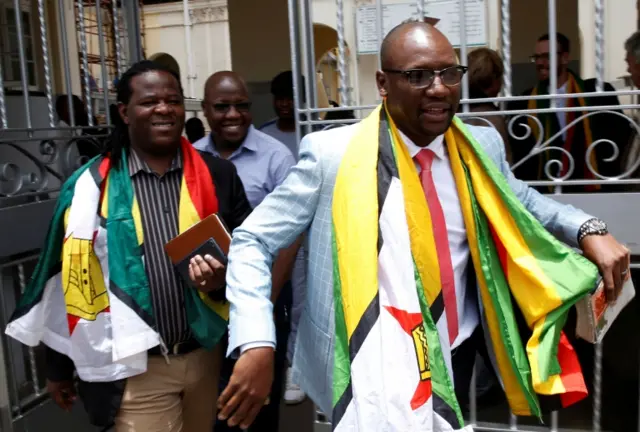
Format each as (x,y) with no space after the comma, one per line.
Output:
(180,348)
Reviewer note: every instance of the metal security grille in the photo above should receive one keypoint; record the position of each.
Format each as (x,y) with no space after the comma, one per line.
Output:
(557,176)
(58,63)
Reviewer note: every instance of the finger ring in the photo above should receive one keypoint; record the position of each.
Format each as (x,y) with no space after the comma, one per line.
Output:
(624,272)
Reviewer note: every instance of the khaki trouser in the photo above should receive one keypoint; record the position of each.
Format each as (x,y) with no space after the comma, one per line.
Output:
(176,397)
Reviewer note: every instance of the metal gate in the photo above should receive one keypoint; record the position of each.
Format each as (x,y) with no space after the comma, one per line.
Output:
(612,203)
(58,63)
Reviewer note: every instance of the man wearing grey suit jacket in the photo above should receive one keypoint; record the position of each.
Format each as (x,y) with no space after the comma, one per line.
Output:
(420,81)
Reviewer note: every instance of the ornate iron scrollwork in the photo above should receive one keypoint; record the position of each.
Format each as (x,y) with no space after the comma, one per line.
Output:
(554,166)
(55,158)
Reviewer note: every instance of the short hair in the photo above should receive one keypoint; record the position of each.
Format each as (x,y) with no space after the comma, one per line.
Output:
(561,40)
(632,46)
(485,66)
(282,84)
(194,129)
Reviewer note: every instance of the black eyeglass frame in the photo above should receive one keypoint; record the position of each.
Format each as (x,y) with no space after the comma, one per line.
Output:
(436,73)
(225,107)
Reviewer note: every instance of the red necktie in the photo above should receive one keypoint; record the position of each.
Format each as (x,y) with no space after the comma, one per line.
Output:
(425,160)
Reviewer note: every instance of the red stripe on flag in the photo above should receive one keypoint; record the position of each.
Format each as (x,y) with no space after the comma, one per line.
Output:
(422,394)
(198,179)
(571,375)
(502,252)
(103,169)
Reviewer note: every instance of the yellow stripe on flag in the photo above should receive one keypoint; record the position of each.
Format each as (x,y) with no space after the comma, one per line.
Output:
(357,248)
(187,214)
(104,208)
(187,217)
(523,269)
(137,221)
(517,399)
(423,244)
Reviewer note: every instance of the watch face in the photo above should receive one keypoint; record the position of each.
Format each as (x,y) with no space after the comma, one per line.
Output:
(599,225)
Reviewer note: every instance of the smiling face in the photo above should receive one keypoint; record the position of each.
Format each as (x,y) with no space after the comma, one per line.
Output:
(542,60)
(283,106)
(422,113)
(226,107)
(155,112)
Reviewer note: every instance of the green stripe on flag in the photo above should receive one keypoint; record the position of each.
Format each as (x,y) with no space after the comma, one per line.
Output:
(341,363)
(572,274)
(500,293)
(206,325)
(126,269)
(440,379)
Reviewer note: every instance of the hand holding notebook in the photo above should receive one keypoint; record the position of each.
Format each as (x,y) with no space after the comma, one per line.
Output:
(209,237)
(207,273)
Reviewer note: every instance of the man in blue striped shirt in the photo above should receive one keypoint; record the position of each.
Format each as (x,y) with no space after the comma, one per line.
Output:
(262,163)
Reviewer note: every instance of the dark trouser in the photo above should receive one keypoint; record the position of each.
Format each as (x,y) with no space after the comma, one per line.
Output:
(463,358)
(268,418)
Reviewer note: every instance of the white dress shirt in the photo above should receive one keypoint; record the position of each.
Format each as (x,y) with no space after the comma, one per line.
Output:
(467,303)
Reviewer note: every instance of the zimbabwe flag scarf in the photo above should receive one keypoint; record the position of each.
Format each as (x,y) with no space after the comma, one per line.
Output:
(574,144)
(89,296)
(392,365)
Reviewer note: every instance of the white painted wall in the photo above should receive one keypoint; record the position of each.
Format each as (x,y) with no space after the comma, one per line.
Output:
(257,41)
(210,47)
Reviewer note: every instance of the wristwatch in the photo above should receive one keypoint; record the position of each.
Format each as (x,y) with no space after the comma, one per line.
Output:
(593,226)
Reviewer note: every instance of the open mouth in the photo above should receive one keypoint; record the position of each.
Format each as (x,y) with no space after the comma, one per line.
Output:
(163,124)
(232,128)
(436,113)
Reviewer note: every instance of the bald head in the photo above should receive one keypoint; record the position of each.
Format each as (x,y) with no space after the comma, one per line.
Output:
(226,106)
(226,81)
(405,36)
(419,80)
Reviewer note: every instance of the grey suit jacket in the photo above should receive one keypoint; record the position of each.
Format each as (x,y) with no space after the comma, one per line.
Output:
(303,202)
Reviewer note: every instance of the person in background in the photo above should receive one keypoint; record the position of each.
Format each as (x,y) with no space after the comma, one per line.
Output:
(338,115)
(262,163)
(283,127)
(194,129)
(485,81)
(88,144)
(632,49)
(142,341)
(575,139)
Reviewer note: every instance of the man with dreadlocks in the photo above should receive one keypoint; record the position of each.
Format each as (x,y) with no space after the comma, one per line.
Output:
(423,250)
(104,297)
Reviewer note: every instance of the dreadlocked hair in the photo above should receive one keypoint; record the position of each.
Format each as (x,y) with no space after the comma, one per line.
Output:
(119,137)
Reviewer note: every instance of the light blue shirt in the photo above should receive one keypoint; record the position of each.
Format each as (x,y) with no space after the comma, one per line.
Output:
(286,138)
(262,163)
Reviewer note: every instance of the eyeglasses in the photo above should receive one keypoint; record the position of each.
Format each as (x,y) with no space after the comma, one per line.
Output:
(450,76)
(543,56)
(224,108)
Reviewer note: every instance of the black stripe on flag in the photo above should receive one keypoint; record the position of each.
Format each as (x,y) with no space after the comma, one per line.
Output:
(126,299)
(437,308)
(445,411)
(341,407)
(94,170)
(358,337)
(387,169)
